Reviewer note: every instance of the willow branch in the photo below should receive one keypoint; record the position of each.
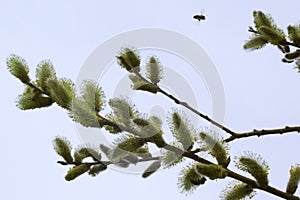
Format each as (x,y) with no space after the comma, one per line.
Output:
(186,105)
(105,162)
(263,132)
(244,179)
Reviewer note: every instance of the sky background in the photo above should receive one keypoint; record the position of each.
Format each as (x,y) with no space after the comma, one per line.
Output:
(261,92)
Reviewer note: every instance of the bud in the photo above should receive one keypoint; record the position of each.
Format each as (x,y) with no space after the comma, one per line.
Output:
(143,152)
(131,158)
(182,130)
(96,169)
(211,171)
(255,42)
(32,98)
(130,144)
(189,179)
(293,55)
(294,33)
(154,70)
(76,171)
(63,148)
(139,84)
(286,60)
(44,71)
(294,179)
(254,165)
(151,169)
(170,158)
(157,139)
(141,122)
(261,19)
(217,148)
(129,60)
(85,152)
(62,92)
(237,191)
(273,35)
(18,67)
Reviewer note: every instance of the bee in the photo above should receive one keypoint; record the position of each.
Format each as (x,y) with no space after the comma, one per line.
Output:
(199,17)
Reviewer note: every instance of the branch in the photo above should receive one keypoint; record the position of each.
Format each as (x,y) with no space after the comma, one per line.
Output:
(186,105)
(263,132)
(244,179)
(105,162)
(268,188)
(292,44)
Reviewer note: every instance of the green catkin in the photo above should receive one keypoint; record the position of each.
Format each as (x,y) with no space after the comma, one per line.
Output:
(238,192)
(154,70)
(294,179)
(63,148)
(76,171)
(96,169)
(254,165)
(18,68)
(130,60)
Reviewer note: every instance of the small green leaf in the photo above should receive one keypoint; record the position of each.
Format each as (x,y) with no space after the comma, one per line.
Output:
(63,148)
(18,68)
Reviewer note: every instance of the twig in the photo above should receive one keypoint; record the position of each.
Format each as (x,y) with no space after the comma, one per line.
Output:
(293,44)
(245,179)
(105,162)
(186,105)
(263,132)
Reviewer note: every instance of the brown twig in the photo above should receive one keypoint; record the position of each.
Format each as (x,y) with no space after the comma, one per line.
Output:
(263,132)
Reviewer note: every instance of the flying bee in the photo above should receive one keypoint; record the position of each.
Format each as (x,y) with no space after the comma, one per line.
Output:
(199,17)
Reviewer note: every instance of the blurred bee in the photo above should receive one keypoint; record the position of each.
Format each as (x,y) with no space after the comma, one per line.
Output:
(199,17)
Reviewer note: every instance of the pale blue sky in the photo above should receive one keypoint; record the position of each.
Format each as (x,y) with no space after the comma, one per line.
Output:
(261,92)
